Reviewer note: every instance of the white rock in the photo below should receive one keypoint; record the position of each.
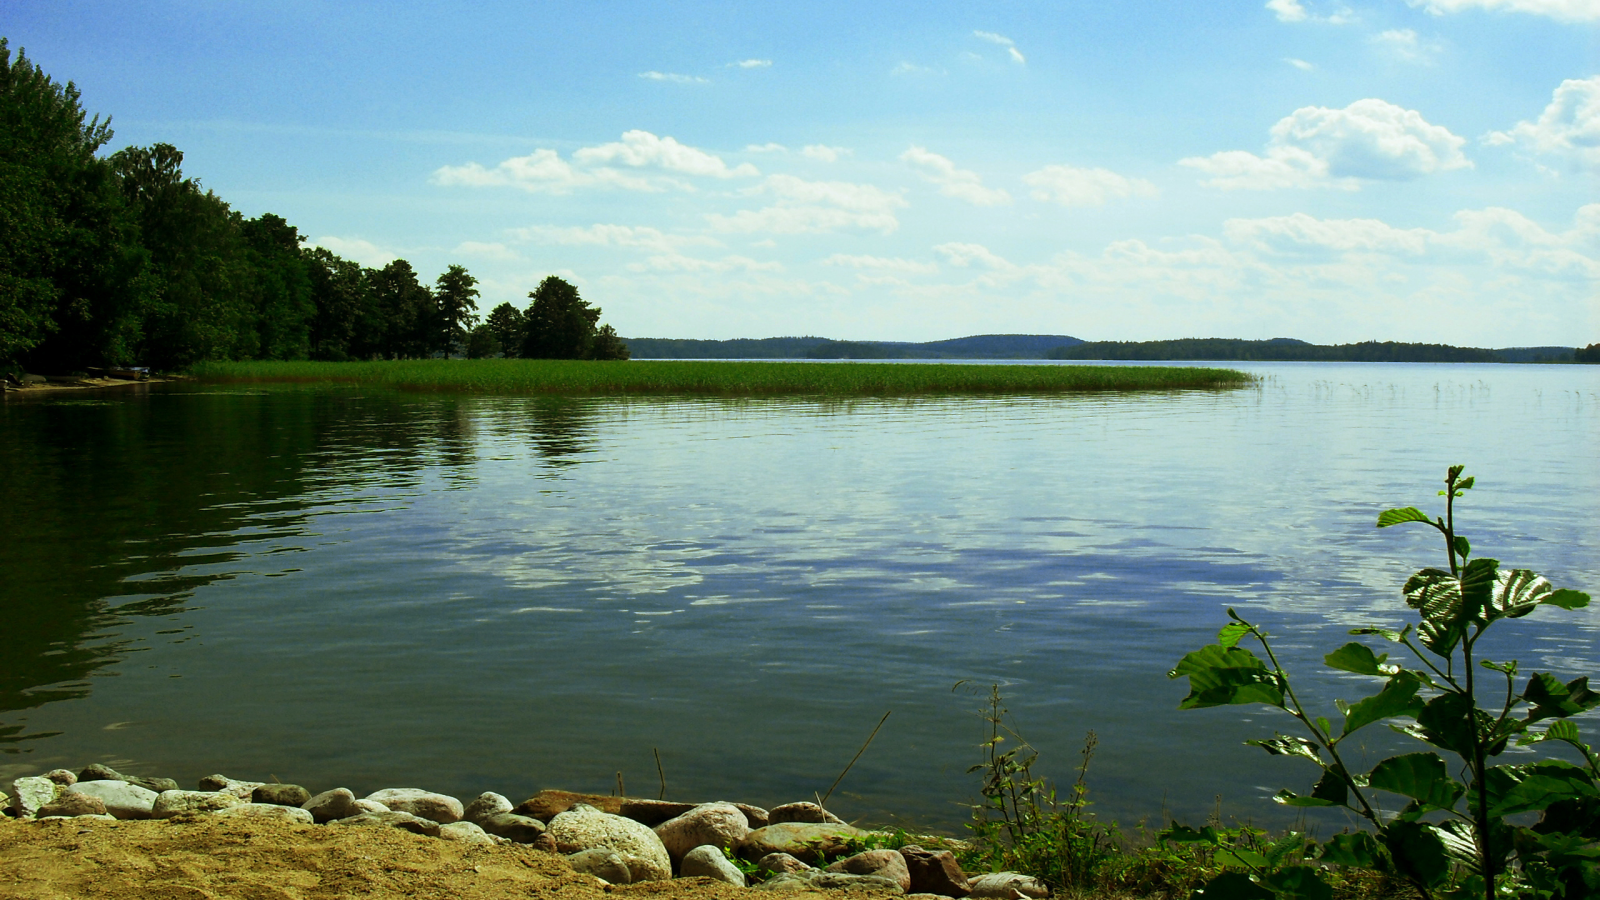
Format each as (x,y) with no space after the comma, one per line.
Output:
(585,828)
(709,862)
(427,804)
(717,824)
(466,833)
(123,800)
(292,815)
(485,805)
(371,806)
(30,793)
(1007,886)
(226,785)
(95,817)
(172,803)
(339,803)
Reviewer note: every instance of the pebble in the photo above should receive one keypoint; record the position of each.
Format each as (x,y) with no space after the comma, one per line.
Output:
(63,777)
(779,863)
(224,784)
(339,803)
(393,819)
(1007,886)
(707,861)
(427,804)
(512,827)
(804,811)
(467,833)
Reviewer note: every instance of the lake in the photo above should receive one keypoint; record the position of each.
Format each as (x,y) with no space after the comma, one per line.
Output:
(464,593)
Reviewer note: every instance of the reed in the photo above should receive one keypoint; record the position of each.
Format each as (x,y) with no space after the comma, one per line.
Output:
(723,378)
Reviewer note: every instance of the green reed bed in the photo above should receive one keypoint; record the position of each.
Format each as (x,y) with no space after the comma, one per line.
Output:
(724,378)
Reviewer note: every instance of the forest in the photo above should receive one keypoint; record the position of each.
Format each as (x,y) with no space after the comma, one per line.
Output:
(121,259)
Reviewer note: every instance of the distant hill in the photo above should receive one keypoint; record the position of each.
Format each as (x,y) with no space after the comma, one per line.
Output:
(1286,349)
(979,346)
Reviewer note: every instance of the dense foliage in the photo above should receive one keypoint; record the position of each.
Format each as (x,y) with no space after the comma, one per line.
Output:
(122,259)
(1274,350)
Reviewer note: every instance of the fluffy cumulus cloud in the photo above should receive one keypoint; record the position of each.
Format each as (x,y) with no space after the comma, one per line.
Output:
(965,255)
(824,153)
(1294,11)
(1403,45)
(1002,40)
(1320,147)
(604,235)
(799,207)
(544,171)
(892,264)
(1567,130)
(1071,186)
(1560,10)
(963,184)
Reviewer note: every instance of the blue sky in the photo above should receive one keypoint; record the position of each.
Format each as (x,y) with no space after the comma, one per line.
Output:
(1419,170)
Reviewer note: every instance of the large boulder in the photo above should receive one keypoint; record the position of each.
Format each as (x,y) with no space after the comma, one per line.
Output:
(272,812)
(585,828)
(804,811)
(882,863)
(707,861)
(485,805)
(31,793)
(123,800)
(440,808)
(607,865)
(172,803)
(807,841)
(546,805)
(934,872)
(717,824)
(1007,886)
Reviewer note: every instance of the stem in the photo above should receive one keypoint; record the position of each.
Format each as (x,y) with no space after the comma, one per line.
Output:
(1478,763)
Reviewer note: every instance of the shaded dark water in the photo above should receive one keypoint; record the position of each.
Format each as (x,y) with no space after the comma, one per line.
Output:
(468,593)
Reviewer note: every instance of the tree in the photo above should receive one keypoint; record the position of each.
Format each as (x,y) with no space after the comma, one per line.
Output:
(456,299)
(405,312)
(561,325)
(506,323)
(1589,354)
(341,293)
(481,343)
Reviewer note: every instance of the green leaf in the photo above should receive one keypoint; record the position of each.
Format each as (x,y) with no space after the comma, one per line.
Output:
(1516,592)
(1478,581)
(1533,788)
(1289,746)
(1466,483)
(1325,725)
(1437,595)
(1403,514)
(1183,834)
(1221,676)
(1395,699)
(1421,776)
(1552,699)
(1447,721)
(1509,668)
(1417,851)
(1298,883)
(1386,633)
(1357,658)
(1231,633)
(1242,859)
(1233,886)
(1360,850)
(1566,599)
(1463,547)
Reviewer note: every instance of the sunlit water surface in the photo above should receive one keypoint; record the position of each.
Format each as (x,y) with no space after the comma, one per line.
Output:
(486,593)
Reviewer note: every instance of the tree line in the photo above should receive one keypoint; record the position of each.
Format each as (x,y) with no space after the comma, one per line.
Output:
(120,259)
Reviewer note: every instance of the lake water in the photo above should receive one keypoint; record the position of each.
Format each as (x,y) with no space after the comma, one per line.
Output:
(490,593)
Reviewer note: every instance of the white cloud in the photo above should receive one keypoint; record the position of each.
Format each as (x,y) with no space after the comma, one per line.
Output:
(882,264)
(1072,186)
(674,77)
(362,251)
(1568,129)
(1320,147)
(964,255)
(676,262)
(1294,11)
(824,153)
(909,68)
(1560,10)
(963,184)
(495,251)
(1002,40)
(1402,44)
(814,206)
(643,149)
(1300,64)
(1300,231)
(765,148)
(544,171)
(602,235)
(750,64)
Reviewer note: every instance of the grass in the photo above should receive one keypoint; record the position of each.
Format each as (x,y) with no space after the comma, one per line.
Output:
(724,378)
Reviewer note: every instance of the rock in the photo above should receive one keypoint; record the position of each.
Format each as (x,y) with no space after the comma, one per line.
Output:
(280,795)
(224,784)
(607,865)
(70,804)
(707,861)
(370,806)
(393,819)
(98,772)
(339,803)
(1007,886)
(63,777)
(882,863)
(101,817)
(755,815)
(585,828)
(846,881)
(485,805)
(804,811)
(30,793)
(780,863)
(934,872)
(718,824)
(123,800)
(172,803)
(466,833)
(292,815)
(786,883)
(544,842)
(151,784)
(799,839)
(546,805)
(521,829)
(653,812)
(427,804)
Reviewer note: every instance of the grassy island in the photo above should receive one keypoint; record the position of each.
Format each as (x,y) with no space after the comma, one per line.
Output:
(724,378)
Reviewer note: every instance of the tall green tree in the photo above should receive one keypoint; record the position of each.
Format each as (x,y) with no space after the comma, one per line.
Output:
(406,312)
(507,324)
(455,297)
(562,325)
(280,287)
